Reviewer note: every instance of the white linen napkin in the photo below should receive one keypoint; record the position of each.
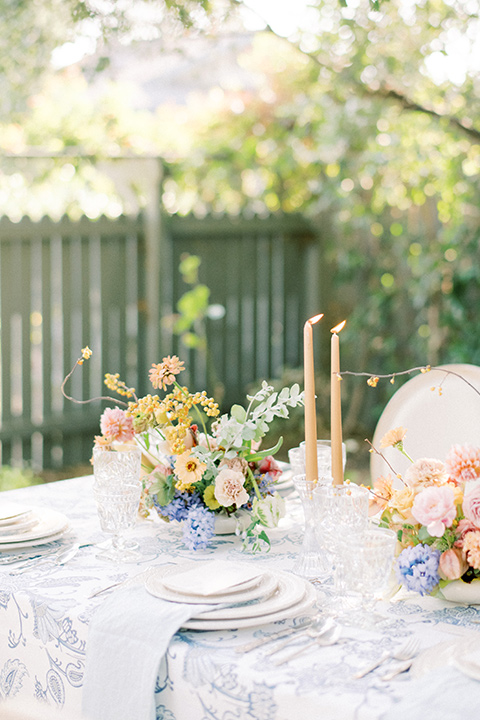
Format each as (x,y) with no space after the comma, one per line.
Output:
(127,639)
(442,693)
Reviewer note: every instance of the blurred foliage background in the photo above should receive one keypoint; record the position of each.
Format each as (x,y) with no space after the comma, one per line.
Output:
(363,118)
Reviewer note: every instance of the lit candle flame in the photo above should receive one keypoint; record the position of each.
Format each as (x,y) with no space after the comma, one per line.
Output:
(339,327)
(315,319)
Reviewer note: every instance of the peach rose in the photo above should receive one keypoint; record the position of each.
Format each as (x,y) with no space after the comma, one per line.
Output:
(452,564)
(229,488)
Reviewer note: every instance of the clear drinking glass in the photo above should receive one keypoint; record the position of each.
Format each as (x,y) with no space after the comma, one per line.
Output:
(117,490)
(313,561)
(341,513)
(296,457)
(376,553)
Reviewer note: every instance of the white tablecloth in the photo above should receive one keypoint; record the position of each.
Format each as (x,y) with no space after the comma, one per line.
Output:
(45,612)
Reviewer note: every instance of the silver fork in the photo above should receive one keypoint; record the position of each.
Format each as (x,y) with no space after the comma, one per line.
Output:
(329,638)
(407,651)
(21,557)
(258,642)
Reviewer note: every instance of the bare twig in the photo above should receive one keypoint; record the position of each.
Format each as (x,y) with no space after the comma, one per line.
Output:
(410,371)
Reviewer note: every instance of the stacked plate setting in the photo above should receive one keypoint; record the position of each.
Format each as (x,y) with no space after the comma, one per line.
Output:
(232,595)
(23,527)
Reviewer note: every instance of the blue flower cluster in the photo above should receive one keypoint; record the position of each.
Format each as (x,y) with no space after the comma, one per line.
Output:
(417,568)
(179,507)
(265,483)
(198,528)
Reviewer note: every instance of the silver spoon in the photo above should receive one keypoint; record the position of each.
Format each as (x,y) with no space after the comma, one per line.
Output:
(326,639)
(319,627)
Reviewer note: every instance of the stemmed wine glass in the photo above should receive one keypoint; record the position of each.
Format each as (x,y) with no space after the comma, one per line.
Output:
(117,489)
(376,554)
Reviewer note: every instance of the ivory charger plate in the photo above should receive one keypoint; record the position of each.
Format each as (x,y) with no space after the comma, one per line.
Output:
(304,607)
(51,525)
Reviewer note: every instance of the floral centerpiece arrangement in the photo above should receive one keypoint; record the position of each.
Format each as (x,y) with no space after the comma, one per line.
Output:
(193,472)
(435,510)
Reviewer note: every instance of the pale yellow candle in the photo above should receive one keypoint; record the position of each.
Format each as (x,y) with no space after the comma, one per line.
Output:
(336,407)
(311,465)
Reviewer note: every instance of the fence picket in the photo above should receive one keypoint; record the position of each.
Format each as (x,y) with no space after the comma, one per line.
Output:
(68,284)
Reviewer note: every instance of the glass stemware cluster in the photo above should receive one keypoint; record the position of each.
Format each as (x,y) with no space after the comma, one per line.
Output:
(117,489)
(314,561)
(350,557)
(362,553)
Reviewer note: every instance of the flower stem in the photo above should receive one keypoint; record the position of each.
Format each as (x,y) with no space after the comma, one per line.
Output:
(254,482)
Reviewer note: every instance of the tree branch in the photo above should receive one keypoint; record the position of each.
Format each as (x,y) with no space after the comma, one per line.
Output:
(386,93)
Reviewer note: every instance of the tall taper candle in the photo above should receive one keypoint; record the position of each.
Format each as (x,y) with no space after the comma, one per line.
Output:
(311,465)
(336,407)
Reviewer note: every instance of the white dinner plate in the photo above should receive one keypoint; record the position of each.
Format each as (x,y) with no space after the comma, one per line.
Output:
(19,526)
(50,522)
(34,543)
(265,586)
(214,577)
(433,422)
(290,591)
(304,607)
(10,512)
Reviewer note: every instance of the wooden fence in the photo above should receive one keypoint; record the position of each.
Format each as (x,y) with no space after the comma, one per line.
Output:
(69,284)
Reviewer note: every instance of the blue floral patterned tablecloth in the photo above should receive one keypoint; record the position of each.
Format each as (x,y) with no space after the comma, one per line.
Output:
(45,612)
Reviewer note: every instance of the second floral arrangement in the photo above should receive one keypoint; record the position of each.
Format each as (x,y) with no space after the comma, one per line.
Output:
(436,513)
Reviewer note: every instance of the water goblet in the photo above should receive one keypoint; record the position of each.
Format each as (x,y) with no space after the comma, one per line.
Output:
(313,562)
(341,513)
(117,490)
(376,553)
(296,457)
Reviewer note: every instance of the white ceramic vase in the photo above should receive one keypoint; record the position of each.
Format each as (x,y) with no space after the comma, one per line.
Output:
(227,524)
(462,592)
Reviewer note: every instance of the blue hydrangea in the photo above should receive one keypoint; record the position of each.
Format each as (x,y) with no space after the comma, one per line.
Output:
(198,528)
(417,568)
(179,507)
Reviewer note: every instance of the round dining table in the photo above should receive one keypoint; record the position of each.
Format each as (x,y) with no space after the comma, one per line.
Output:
(46,610)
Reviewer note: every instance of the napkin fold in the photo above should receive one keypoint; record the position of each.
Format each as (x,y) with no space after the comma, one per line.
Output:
(441,693)
(127,639)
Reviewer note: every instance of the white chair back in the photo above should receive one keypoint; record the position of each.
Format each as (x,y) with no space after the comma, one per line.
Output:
(434,421)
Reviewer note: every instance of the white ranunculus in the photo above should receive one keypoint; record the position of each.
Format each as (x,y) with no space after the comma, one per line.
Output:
(269,510)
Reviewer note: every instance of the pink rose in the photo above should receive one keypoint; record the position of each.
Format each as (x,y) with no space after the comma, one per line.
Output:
(116,426)
(452,564)
(463,527)
(471,502)
(435,508)
(229,488)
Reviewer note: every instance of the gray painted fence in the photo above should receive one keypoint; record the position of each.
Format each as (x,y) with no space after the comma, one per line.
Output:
(69,284)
